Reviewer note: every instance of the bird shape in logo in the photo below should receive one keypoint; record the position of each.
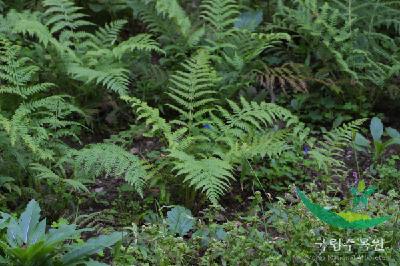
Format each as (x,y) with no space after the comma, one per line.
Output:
(346,220)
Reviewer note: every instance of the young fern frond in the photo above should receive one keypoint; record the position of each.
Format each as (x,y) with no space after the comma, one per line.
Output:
(177,140)
(251,116)
(173,10)
(192,90)
(64,15)
(328,151)
(32,123)
(110,159)
(138,43)
(210,175)
(44,173)
(220,16)
(155,12)
(108,35)
(114,79)
(16,73)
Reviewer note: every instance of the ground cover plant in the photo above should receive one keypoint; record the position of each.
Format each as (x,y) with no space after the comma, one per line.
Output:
(199,132)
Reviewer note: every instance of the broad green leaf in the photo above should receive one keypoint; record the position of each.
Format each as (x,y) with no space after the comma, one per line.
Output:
(376,128)
(180,220)
(392,141)
(95,263)
(29,220)
(39,233)
(392,132)
(92,246)
(360,140)
(14,233)
(221,234)
(64,232)
(5,217)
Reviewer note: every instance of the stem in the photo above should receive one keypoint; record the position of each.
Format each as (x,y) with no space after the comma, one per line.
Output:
(256,176)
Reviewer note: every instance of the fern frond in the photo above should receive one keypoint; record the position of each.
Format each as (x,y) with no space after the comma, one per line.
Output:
(192,89)
(151,116)
(27,126)
(141,42)
(250,45)
(209,175)
(110,159)
(34,28)
(283,77)
(252,116)
(328,152)
(114,79)
(107,36)
(269,144)
(64,15)
(220,16)
(173,10)
(44,173)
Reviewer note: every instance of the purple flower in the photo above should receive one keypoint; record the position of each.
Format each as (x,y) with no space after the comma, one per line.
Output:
(306,150)
(207,126)
(355,175)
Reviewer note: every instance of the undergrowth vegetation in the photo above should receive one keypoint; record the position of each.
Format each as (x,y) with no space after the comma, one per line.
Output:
(165,132)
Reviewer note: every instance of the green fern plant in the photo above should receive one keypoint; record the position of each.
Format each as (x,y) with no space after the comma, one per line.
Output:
(328,152)
(346,36)
(32,123)
(109,159)
(210,175)
(192,90)
(220,16)
(207,140)
(63,15)
(99,57)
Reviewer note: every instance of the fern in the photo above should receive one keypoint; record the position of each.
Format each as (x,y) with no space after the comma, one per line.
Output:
(250,45)
(16,74)
(44,173)
(220,17)
(155,12)
(141,42)
(110,159)
(347,34)
(209,175)
(251,116)
(32,123)
(192,90)
(64,15)
(328,152)
(283,77)
(114,79)
(34,28)
(107,36)
(172,10)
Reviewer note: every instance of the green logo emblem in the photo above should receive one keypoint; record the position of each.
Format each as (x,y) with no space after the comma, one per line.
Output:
(346,219)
